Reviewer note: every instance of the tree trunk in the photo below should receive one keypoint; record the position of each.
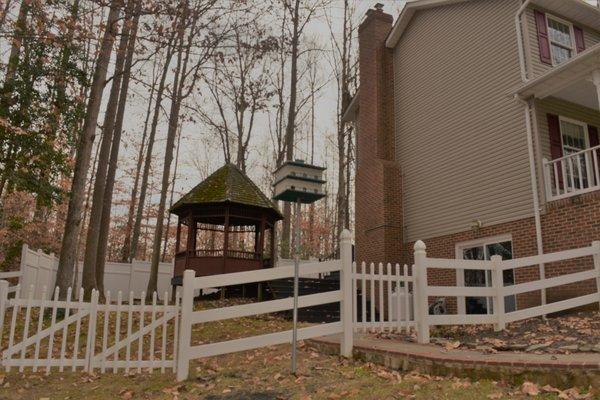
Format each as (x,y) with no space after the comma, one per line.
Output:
(89,275)
(4,12)
(145,176)
(164,251)
(68,251)
(126,250)
(114,153)
(291,125)
(171,133)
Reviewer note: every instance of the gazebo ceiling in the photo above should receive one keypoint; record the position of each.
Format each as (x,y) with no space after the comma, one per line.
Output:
(227,185)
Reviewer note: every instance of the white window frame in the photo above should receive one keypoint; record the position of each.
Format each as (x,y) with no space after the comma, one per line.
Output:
(586,135)
(460,273)
(586,132)
(571,34)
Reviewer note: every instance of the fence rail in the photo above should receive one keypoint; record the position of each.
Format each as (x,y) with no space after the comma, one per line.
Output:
(189,317)
(498,291)
(115,334)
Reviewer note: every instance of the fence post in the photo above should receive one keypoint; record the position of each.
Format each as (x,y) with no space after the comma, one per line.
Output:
(3,302)
(420,292)
(185,330)
(91,336)
(23,265)
(498,285)
(596,246)
(346,288)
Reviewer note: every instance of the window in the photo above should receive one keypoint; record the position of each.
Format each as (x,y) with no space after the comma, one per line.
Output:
(561,37)
(574,136)
(484,250)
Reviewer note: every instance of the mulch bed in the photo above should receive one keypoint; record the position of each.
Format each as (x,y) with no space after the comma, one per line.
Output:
(574,333)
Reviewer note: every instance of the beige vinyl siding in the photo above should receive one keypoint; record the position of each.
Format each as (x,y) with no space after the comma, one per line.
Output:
(565,109)
(461,139)
(537,66)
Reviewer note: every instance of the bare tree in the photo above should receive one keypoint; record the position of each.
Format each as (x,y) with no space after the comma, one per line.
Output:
(84,148)
(185,77)
(114,152)
(239,87)
(151,139)
(301,13)
(126,249)
(342,62)
(89,276)
(168,229)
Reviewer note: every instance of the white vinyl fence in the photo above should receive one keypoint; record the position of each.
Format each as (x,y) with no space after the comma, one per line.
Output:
(74,334)
(126,334)
(189,317)
(387,287)
(39,269)
(498,291)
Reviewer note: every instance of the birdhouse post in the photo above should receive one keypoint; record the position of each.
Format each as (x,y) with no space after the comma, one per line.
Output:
(299,183)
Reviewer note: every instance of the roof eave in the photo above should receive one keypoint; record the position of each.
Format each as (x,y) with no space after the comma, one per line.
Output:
(413,6)
(587,60)
(407,13)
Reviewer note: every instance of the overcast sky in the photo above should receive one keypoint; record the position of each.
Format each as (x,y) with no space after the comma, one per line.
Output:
(193,149)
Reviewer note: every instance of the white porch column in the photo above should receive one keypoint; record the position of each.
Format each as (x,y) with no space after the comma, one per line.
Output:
(596,81)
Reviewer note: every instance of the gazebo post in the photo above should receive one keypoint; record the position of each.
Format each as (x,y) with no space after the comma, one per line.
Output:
(189,246)
(225,247)
(178,237)
(260,249)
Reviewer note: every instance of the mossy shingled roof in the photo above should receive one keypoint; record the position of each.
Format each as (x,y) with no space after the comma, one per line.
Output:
(227,184)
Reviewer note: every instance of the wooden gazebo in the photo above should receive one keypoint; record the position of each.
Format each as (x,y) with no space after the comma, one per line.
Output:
(226,224)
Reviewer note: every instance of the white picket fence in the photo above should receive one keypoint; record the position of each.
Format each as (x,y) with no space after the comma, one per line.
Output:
(130,335)
(388,290)
(89,335)
(39,269)
(498,291)
(189,317)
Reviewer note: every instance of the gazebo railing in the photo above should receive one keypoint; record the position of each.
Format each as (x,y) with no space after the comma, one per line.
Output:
(239,254)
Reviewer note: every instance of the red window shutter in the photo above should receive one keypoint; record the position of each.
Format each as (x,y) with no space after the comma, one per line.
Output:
(556,150)
(594,138)
(544,42)
(579,39)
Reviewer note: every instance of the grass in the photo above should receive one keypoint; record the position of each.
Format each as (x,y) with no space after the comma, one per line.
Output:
(259,374)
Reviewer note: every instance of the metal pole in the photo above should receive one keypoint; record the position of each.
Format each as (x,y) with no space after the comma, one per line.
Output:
(296,274)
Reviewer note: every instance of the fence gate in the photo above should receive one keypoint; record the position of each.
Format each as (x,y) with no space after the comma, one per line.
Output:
(155,322)
(88,335)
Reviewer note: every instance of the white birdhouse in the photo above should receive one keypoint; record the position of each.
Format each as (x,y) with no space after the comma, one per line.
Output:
(296,180)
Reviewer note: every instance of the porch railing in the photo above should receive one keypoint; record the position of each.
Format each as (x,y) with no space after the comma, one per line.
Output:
(572,174)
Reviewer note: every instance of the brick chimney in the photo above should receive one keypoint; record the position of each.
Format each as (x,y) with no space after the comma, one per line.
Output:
(378,178)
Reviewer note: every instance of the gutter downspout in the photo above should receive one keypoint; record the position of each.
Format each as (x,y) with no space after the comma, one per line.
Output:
(520,44)
(531,151)
(534,188)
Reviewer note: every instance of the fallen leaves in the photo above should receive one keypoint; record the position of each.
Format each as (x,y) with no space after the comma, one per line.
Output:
(530,389)
(126,394)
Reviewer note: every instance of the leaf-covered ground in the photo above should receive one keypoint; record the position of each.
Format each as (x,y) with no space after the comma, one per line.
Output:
(264,374)
(566,334)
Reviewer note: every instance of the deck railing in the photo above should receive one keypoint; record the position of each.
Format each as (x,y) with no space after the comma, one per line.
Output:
(572,174)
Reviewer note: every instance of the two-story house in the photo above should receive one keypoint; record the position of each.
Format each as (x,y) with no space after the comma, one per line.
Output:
(477,132)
